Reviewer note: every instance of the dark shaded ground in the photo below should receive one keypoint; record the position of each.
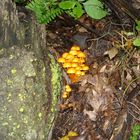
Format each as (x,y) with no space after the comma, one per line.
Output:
(109,76)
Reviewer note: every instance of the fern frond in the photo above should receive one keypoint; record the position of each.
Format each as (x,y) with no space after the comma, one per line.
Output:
(45,10)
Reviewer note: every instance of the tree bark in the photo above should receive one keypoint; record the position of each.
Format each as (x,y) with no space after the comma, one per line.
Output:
(27,79)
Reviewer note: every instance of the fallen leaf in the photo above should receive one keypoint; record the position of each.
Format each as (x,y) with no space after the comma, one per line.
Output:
(103,69)
(112,52)
(91,114)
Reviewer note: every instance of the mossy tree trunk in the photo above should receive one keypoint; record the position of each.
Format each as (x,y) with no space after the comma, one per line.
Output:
(28,78)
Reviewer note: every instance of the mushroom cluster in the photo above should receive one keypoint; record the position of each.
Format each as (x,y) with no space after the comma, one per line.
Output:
(66,92)
(74,63)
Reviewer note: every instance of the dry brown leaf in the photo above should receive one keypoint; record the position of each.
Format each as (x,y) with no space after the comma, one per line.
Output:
(100,96)
(103,69)
(112,52)
(91,114)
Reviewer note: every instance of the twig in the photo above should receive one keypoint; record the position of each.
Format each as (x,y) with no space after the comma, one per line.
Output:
(134,106)
(129,85)
(133,115)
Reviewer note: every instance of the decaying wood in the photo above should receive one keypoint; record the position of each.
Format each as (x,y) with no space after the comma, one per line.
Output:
(25,76)
(124,6)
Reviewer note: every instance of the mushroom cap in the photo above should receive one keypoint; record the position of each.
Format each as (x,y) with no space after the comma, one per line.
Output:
(67,86)
(76,60)
(78,68)
(82,73)
(69,57)
(85,68)
(61,60)
(71,70)
(75,47)
(73,52)
(82,60)
(64,55)
(81,55)
(65,95)
(67,65)
(78,72)
(74,65)
(68,90)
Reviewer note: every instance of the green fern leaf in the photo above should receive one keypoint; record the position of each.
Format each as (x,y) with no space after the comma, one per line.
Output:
(45,10)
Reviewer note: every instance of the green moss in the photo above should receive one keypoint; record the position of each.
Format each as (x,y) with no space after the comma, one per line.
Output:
(56,89)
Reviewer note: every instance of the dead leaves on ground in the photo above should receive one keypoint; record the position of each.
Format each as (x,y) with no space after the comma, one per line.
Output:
(99,95)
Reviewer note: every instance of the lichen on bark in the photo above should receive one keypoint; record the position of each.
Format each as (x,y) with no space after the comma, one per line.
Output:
(23,75)
(22,95)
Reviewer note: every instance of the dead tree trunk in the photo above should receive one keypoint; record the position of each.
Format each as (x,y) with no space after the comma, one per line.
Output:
(129,7)
(26,78)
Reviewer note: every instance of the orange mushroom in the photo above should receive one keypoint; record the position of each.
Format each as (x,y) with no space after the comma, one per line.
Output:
(61,60)
(73,52)
(69,57)
(85,68)
(75,47)
(78,72)
(71,71)
(64,55)
(82,73)
(76,60)
(65,95)
(81,55)
(67,65)
(68,89)
(74,65)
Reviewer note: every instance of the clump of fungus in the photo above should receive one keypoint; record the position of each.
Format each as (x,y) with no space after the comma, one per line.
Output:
(66,92)
(74,63)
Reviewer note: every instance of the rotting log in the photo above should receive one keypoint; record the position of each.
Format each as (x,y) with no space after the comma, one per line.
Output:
(125,6)
(29,78)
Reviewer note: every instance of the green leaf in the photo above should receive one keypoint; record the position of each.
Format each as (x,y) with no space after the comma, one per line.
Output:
(136,42)
(78,10)
(138,25)
(67,4)
(95,9)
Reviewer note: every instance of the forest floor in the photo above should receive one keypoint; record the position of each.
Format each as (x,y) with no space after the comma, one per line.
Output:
(104,103)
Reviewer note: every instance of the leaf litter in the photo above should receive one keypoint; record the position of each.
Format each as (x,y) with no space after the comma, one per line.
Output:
(106,99)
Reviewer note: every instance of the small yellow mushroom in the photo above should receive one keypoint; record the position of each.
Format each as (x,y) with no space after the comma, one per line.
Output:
(78,72)
(68,88)
(74,65)
(76,60)
(78,68)
(75,47)
(82,73)
(73,52)
(65,95)
(81,55)
(61,60)
(67,65)
(82,60)
(71,71)
(69,57)
(64,55)
(85,68)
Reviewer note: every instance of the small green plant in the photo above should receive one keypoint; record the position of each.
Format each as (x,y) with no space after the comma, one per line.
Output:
(136,41)
(73,8)
(45,10)
(48,10)
(135,132)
